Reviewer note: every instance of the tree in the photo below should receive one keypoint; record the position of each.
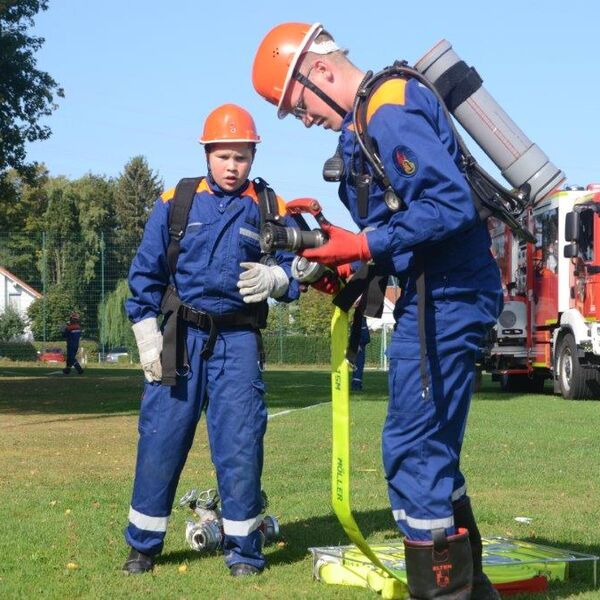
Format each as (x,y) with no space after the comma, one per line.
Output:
(22,210)
(115,328)
(137,189)
(63,241)
(313,316)
(49,313)
(95,197)
(26,93)
(12,325)
(279,317)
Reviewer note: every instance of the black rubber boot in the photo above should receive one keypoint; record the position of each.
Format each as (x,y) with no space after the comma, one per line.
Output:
(464,518)
(243,570)
(137,563)
(442,568)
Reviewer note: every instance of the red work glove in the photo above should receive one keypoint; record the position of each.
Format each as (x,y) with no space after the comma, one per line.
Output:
(343,247)
(328,284)
(345,271)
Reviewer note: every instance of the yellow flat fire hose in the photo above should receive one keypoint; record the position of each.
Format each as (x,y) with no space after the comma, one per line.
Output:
(340,467)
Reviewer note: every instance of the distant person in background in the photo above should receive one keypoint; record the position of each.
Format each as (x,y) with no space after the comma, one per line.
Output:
(357,375)
(71,331)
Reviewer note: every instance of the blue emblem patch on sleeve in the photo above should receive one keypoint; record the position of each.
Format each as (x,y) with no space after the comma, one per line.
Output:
(405,161)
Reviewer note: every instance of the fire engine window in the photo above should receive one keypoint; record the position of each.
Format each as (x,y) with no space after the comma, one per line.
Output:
(586,235)
(546,233)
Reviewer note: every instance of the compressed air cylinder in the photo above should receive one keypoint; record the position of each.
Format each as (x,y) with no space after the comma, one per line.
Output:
(518,158)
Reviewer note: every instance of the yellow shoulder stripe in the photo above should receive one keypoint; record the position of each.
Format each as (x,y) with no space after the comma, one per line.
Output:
(251,192)
(393,91)
(202,187)
(281,205)
(168,195)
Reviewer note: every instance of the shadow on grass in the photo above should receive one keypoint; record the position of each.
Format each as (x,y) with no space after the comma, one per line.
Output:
(300,535)
(115,390)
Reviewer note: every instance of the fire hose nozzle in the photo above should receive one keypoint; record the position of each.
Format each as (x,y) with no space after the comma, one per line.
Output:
(277,237)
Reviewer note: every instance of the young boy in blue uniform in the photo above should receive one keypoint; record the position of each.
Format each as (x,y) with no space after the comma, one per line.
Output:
(220,289)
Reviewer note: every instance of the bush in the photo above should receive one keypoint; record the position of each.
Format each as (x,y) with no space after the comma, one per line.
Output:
(50,313)
(12,325)
(18,351)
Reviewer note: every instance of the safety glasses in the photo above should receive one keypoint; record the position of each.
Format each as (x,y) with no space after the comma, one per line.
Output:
(299,109)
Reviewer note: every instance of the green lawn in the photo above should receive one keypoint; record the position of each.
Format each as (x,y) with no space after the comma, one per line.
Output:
(68,450)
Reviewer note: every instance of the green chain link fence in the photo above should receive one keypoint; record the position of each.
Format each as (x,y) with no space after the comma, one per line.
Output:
(45,277)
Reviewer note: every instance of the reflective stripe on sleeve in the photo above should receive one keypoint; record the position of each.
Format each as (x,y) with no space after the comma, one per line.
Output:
(459,493)
(146,522)
(241,527)
(400,515)
(249,233)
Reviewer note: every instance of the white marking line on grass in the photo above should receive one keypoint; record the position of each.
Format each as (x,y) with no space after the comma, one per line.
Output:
(55,373)
(291,410)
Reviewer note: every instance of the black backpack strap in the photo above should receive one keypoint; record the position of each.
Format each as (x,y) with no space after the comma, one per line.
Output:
(178,217)
(268,208)
(372,287)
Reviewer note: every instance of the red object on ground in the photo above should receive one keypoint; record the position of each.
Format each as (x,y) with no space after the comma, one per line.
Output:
(525,586)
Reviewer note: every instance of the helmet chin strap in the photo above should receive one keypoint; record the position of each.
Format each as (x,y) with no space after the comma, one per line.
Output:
(306,82)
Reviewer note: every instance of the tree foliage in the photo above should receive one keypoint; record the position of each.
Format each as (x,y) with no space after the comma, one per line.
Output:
(49,313)
(115,328)
(313,314)
(26,93)
(136,191)
(12,325)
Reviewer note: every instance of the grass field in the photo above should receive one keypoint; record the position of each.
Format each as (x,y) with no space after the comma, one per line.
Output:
(68,451)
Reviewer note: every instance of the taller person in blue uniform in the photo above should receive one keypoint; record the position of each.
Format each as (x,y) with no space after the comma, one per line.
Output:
(206,356)
(299,68)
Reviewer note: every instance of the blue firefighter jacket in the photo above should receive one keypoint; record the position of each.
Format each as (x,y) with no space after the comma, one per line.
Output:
(222,231)
(72,333)
(421,158)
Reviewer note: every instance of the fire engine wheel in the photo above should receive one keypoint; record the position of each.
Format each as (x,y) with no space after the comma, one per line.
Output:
(575,381)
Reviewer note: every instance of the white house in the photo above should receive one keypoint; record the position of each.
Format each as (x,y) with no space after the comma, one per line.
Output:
(16,294)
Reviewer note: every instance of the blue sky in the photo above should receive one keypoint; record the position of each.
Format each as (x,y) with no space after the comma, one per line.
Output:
(140,77)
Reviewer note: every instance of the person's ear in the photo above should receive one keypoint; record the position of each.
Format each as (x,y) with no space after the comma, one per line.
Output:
(324,69)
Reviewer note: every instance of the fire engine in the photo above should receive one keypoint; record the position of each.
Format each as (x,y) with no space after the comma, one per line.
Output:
(550,325)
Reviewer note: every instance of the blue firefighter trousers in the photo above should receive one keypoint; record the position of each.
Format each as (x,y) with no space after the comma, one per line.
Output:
(72,347)
(359,367)
(229,387)
(423,433)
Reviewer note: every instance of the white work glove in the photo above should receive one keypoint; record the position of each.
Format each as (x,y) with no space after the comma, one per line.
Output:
(149,342)
(260,281)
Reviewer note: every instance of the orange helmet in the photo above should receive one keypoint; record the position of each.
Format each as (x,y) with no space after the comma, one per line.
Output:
(277,57)
(229,123)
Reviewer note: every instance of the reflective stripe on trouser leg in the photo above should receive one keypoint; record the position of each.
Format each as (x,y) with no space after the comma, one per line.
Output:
(237,418)
(422,439)
(167,423)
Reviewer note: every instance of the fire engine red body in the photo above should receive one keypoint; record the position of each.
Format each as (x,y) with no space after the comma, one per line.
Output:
(550,326)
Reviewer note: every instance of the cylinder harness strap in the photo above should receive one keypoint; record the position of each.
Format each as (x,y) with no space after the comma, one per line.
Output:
(177,315)
(451,89)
